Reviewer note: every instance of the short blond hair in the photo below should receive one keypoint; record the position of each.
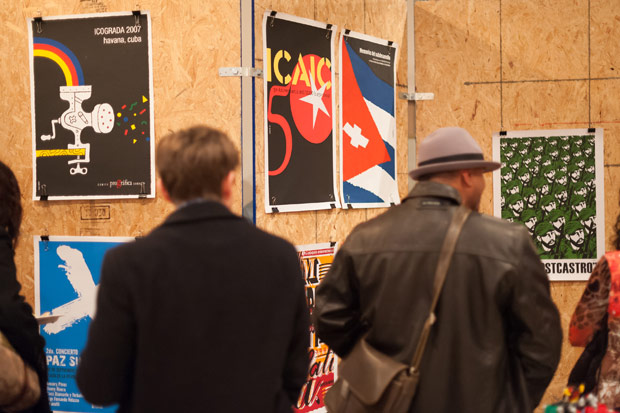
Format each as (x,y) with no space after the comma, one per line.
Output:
(192,163)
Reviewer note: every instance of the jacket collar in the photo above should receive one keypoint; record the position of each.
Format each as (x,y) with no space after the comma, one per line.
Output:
(429,189)
(197,211)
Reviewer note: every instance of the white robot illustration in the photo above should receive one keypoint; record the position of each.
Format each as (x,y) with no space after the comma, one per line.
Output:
(74,119)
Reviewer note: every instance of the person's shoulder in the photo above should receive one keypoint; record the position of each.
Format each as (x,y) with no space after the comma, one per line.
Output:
(495,237)
(497,227)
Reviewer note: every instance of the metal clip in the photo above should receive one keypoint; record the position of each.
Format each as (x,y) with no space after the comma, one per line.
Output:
(272,18)
(416,96)
(39,22)
(136,15)
(241,72)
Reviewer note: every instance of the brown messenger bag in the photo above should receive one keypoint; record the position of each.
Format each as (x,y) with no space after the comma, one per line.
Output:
(372,382)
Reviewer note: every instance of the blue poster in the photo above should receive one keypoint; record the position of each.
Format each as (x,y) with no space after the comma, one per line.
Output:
(67,271)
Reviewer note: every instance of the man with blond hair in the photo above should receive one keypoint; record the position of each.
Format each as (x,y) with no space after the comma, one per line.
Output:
(207,313)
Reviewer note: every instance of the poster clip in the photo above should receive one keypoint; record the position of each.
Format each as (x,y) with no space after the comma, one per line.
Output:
(349,206)
(390,43)
(503,133)
(591,130)
(43,196)
(142,193)
(332,206)
(39,22)
(332,243)
(274,210)
(329,31)
(272,18)
(346,32)
(392,204)
(46,239)
(136,15)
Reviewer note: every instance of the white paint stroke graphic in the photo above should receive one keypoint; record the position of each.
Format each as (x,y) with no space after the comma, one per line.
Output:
(81,280)
(379,182)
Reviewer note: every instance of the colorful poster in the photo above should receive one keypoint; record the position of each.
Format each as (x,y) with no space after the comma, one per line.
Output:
(551,181)
(299,114)
(92,106)
(67,271)
(316,260)
(367,121)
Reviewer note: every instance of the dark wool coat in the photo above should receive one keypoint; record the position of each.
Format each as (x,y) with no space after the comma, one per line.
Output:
(205,314)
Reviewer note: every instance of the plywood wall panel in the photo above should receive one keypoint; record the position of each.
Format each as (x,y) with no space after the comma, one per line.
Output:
(605,32)
(456,42)
(606,115)
(347,14)
(300,8)
(457,59)
(565,105)
(384,19)
(545,39)
(337,225)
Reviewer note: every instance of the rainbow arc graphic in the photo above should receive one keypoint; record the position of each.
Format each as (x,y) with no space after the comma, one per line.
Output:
(62,56)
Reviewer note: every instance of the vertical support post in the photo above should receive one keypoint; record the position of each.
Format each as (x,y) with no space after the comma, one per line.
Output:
(411,103)
(248,127)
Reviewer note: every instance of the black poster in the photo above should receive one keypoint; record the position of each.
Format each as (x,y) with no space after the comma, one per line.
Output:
(299,114)
(92,106)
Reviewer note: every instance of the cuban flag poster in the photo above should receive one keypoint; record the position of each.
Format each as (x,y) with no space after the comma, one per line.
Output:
(67,271)
(299,114)
(367,121)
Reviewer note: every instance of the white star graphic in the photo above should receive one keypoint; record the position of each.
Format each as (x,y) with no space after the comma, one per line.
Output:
(315,98)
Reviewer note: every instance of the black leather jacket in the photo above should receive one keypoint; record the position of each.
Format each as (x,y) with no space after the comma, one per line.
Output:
(497,339)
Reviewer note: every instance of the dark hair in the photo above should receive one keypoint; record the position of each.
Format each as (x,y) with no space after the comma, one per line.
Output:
(10,203)
(192,163)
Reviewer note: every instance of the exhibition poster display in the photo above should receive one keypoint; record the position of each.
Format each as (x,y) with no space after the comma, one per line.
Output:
(315,261)
(67,271)
(92,106)
(551,181)
(299,114)
(367,121)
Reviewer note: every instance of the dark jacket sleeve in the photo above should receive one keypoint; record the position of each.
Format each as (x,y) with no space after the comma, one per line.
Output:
(337,314)
(296,366)
(18,324)
(536,332)
(105,372)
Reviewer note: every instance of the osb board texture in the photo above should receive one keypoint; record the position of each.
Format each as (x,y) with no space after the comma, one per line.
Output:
(458,58)
(187,52)
(542,54)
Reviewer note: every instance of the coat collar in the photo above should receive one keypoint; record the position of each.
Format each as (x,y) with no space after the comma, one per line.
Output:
(430,189)
(198,211)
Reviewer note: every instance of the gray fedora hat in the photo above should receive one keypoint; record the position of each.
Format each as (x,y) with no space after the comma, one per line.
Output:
(450,149)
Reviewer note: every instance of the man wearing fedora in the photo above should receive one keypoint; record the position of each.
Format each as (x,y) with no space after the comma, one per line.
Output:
(495,344)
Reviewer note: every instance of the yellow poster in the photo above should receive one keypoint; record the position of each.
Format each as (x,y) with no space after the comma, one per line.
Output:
(315,261)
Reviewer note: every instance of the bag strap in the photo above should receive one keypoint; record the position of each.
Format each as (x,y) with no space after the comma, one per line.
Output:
(445,257)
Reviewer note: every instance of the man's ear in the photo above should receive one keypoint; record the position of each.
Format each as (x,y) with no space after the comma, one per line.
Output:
(465,176)
(227,188)
(164,193)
